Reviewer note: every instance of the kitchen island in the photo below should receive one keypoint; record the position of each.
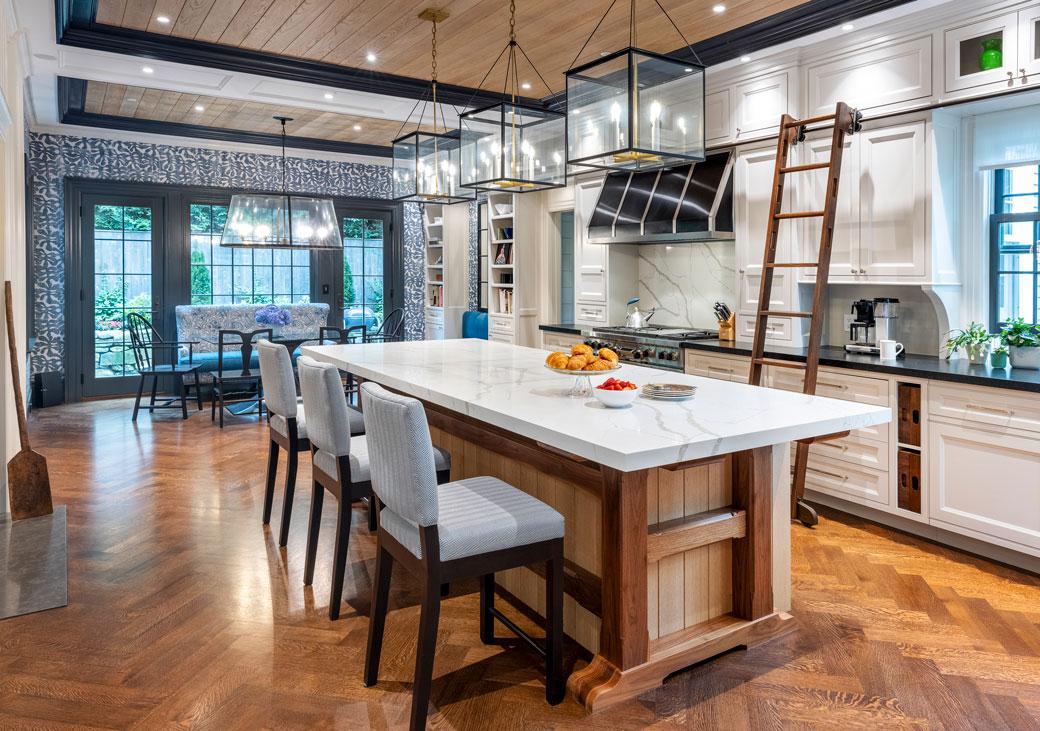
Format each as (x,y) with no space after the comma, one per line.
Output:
(677,540)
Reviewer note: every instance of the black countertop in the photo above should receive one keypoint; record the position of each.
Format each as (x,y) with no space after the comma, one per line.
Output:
(568,328)
(918,366)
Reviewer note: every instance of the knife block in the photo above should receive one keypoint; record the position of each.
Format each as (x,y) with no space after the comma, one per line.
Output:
(728,328)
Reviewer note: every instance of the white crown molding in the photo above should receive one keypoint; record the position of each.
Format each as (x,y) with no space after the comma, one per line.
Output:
(174,141)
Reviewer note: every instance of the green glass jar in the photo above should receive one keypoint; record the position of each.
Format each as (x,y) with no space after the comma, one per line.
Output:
(992,57)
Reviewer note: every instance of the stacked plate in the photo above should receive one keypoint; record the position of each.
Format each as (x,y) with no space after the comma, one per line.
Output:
(669,391)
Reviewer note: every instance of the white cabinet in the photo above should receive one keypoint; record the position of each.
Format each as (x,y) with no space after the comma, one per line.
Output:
(963,48)
(986,485)
(893,206)
(753,180)
(882,218)
(434,323)
(716,365)
(759,104)
(884,76)
(1029,45)
(591,259)
(718,120)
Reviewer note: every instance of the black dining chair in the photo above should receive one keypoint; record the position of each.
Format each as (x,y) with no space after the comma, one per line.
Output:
(332,335)
(145,342)
(390,331)
(237,384)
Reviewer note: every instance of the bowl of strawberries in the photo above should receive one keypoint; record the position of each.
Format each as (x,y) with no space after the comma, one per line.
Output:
(616,393)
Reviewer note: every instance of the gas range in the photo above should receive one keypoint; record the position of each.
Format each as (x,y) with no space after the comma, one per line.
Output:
(654,345)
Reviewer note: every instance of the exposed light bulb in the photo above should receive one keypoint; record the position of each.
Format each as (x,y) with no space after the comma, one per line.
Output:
(304,231)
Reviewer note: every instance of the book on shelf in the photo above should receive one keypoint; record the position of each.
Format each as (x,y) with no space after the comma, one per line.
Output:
(504,254)
(505,301)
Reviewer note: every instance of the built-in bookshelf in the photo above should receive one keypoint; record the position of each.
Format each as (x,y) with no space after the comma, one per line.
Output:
(512,254)
(447,251)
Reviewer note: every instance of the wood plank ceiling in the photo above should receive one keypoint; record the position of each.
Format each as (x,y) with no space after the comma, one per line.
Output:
(343,32)
(170,106)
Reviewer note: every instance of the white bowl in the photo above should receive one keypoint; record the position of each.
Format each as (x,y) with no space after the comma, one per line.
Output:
(616,399)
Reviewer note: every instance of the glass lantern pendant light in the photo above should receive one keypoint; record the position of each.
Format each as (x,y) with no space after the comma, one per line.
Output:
(426,164)
(510,146)
(270,221)
(635,109)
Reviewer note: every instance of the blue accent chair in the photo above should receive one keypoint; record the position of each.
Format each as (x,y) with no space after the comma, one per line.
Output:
(475,325)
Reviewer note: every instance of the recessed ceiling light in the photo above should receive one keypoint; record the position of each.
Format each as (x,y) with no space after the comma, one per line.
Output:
(720,8)
(370,57)
(328,95)
(745,59)
(199,108)
(847,27)
(525,86)
(132,99)
(147,70)
(162,19)
(688,70)
(357,127)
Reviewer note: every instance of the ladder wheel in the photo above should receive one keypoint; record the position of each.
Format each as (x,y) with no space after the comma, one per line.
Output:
(805,514)
(800,137)
(857,122)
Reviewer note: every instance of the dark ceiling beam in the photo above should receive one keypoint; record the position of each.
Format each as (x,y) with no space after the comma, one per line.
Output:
(72,95)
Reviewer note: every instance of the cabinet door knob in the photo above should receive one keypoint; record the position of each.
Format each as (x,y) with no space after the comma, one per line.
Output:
(1024,77)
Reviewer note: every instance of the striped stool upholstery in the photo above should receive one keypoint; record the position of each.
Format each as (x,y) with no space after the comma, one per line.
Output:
(439,533)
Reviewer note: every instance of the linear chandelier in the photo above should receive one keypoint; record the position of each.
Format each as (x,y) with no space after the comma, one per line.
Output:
(635,109)
(269,221)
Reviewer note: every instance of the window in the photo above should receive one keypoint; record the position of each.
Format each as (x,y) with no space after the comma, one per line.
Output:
(362,271)
(221,275)
(1014,232)
(567,267)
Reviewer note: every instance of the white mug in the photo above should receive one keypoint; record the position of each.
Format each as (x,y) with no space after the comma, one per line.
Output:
(890,349)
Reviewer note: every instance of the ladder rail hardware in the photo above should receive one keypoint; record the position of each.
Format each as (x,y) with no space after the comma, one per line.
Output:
(845,121)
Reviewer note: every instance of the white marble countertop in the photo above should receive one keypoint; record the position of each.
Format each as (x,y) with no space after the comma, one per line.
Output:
(509,387)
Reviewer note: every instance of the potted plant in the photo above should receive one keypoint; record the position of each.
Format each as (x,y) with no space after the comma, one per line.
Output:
(1023,341)
(998,358)
(975,341)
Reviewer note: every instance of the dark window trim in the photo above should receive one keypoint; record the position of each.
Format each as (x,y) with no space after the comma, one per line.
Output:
(177,279)
(996,218)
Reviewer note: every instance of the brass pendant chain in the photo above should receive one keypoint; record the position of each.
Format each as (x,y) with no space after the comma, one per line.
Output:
(433,75)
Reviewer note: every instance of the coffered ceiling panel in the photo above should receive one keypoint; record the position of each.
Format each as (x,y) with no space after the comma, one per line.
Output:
(344,32)
(135,102)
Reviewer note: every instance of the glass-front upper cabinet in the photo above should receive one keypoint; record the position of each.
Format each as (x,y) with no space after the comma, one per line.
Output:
(982,53)
(1029,45)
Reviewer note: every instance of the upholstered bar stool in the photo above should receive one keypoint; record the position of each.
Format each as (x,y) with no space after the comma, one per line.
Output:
(339,464)
(439,533)
(288,427)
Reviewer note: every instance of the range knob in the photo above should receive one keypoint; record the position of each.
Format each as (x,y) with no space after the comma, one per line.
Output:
(637,354)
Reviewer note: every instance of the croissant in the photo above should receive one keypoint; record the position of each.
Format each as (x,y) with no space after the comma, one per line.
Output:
(608,354)
(581,349)
(576,363)
(599,365)
(557,360)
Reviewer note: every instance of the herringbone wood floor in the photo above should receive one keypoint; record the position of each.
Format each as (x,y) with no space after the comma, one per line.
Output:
(184,612)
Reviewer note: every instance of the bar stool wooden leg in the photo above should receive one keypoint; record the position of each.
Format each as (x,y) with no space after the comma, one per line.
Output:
(487,603)
(554,679)
(372,524)
(293,463)
(377,622)
(339,561)
(317,499)
(272,475)
(431,609)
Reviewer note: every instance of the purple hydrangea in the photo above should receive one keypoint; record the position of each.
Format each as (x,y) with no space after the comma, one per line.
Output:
(273,316)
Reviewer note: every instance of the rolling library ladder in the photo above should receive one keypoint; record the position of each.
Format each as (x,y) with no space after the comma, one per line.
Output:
(845,121)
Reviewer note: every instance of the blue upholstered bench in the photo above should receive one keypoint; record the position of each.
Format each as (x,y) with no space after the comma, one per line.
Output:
(201,323)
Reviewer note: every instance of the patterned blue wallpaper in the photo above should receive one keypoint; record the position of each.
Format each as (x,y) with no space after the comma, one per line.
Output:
(56,157)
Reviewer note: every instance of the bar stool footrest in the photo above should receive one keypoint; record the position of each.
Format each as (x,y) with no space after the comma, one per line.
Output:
(512,627)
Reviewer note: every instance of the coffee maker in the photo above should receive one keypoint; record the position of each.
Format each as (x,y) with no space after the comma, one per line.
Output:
(875,321)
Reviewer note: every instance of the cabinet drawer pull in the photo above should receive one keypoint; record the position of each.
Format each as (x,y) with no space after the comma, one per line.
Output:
(835,475)
(719,369)
(991,409)
(834,445)
(839,386)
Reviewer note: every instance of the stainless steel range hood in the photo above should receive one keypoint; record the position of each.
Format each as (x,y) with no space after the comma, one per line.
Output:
(687,203)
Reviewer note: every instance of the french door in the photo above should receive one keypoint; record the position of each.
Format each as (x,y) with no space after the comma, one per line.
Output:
(122,254)
(371,285)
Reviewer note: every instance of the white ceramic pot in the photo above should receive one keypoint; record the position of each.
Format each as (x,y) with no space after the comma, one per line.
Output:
(1025,357)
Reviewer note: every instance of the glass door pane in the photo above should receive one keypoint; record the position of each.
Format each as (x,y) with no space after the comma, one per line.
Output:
(121,246)
(364,270)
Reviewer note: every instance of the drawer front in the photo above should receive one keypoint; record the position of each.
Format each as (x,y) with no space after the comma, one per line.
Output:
(435,315)
(985,482)
(500,337)
(854,449)
(585,312)
(989,406)
(723,367)
(560,341)
(500,325)
(843,386)
(778,329)
(842,479)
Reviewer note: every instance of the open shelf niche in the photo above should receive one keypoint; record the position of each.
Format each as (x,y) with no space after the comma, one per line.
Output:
(447,250)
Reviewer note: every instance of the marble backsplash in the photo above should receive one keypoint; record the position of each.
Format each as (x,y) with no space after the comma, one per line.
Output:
(683,281)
